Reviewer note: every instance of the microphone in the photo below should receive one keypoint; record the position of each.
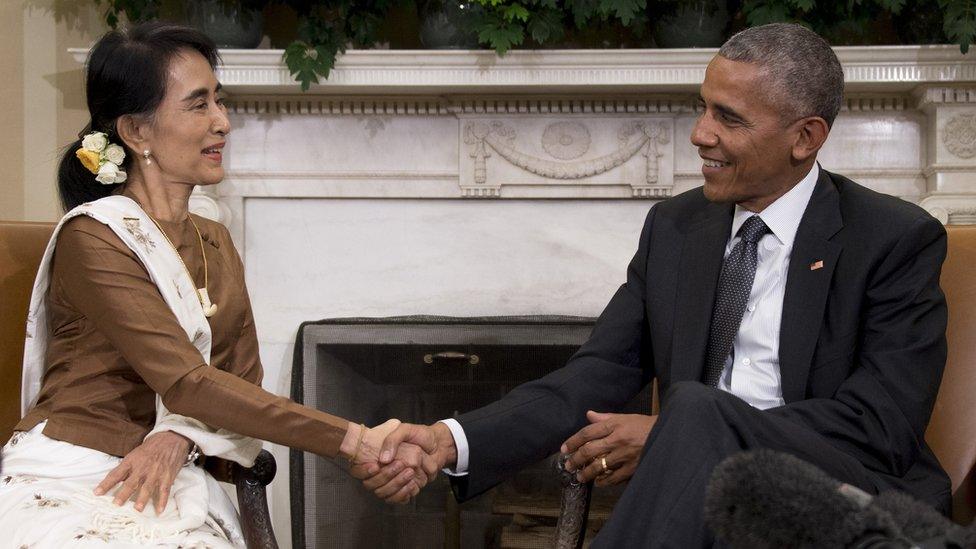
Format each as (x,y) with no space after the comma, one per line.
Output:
(767,499)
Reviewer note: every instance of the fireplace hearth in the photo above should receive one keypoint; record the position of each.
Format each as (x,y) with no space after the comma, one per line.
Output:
(418,369)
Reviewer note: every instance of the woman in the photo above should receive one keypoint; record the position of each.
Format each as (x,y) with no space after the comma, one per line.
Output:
(140,340)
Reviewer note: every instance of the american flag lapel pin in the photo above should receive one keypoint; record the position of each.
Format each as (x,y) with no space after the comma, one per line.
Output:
(818,264)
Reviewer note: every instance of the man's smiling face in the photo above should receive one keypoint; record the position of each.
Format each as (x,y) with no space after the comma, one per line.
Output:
(742,138)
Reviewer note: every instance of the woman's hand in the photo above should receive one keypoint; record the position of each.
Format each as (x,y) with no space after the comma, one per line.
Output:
(372,441)
(411,468)
(150,469)
(616,438)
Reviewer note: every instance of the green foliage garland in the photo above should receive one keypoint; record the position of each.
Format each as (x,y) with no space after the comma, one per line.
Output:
(326,28)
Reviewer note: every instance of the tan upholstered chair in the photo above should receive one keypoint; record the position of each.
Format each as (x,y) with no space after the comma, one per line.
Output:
(952,429)
(21,247)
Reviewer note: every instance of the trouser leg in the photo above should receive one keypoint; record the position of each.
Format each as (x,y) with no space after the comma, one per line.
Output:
(699,426)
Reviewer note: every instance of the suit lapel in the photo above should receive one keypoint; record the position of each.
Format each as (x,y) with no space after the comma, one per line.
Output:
(807,286)
(703,250)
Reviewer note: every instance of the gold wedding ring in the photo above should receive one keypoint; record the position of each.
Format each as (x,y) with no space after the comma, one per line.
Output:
(603,463)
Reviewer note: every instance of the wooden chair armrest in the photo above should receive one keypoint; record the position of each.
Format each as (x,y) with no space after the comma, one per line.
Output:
(219,468)
(252,499)
(574,508)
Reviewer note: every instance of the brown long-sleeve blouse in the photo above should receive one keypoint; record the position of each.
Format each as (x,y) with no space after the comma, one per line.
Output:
(114,344)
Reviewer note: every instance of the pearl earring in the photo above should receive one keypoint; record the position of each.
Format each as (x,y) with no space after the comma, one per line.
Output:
(145,154)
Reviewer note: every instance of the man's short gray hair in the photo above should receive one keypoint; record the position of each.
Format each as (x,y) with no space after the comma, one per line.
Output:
(801,72)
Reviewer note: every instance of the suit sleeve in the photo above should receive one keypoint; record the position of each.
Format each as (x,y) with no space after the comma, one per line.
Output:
(880,412)
(533,419)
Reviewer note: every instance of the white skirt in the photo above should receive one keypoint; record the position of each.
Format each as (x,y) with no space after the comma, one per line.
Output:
(47,500)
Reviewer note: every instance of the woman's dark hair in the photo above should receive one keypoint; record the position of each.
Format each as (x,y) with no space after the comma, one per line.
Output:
(126,74)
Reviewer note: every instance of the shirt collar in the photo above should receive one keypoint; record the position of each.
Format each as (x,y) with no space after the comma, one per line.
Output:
(784,214)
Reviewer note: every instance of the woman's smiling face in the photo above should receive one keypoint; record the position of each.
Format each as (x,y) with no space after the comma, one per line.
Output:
(190,126)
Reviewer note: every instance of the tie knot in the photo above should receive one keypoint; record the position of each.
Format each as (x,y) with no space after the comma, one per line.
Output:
(753,229)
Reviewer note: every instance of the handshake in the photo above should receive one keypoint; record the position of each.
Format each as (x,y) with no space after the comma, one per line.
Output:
(395,460)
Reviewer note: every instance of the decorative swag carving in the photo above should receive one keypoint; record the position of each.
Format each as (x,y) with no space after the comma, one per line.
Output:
(566,142)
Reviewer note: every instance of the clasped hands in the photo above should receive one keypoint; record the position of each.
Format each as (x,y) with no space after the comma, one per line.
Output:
(608,449)
(397,460)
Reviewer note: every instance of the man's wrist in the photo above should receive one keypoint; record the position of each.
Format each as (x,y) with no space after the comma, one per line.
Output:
(446,449)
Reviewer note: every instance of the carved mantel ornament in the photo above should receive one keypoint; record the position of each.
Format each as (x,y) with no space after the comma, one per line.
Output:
(566,142)
(959,135)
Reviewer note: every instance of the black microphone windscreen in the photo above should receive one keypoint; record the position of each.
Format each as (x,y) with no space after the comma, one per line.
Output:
(919,521)
(769,499)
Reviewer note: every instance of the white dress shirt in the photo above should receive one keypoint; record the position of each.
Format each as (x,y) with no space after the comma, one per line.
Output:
(752,370)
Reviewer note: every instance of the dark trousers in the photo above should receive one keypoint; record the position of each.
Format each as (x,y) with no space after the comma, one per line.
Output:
(698,427)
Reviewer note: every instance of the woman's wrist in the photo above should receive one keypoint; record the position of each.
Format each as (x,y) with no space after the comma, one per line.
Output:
(189,443)
(174,437)
(190,451)
(192,455)
(352,440)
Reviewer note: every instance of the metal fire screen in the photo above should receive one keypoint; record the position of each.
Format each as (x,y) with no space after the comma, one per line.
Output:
(418,369)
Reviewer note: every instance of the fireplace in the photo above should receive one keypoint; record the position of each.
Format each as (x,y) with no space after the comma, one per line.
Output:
(418,369)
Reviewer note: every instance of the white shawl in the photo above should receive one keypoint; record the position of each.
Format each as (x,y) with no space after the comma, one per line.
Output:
(140,234)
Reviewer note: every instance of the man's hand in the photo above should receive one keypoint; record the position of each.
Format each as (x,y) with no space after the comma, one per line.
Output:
(391,479)
(150,469)
(617,438)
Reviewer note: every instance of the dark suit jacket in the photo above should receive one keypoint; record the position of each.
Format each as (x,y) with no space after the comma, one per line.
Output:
(862,340)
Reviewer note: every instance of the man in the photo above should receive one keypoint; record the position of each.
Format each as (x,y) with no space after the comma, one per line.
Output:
(778,306)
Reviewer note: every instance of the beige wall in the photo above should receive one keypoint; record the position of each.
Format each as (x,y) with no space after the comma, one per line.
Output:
(42,98)
(12,113)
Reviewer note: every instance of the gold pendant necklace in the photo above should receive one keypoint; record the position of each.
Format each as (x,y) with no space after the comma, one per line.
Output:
(209,308)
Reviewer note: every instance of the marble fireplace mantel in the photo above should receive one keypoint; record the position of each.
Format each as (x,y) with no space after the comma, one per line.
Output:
(378,72)
(925,96)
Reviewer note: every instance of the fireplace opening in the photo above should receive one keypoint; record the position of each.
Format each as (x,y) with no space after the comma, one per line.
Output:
(420,370)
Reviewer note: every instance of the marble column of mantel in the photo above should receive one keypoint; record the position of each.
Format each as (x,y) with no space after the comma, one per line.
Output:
(936,83)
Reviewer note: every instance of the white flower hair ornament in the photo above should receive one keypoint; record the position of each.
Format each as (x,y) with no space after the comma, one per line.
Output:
(102,158)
